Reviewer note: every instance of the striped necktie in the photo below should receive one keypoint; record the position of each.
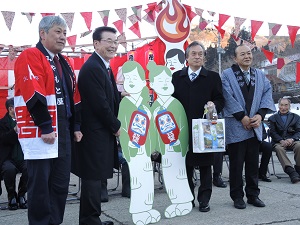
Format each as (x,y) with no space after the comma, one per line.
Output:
(193,76)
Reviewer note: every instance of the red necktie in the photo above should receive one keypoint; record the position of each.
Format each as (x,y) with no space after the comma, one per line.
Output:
(58,66)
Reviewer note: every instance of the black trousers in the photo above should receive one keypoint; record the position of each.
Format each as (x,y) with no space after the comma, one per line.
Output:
(205,188)
(90,202)
(266,149)
(48,186)
(239,153)
(218,163)
(9,171)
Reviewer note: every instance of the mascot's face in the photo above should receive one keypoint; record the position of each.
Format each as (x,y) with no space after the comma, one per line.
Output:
(132,82)
(162,84)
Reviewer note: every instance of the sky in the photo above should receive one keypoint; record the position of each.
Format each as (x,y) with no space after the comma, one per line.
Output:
(24,33)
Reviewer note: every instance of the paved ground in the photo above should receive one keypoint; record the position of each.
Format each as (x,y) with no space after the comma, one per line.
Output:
(282,199)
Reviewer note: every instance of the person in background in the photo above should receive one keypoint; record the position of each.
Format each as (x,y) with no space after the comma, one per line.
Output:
(265,148)
(248,98)
(196,86)
(285,133)
(217,170)
(97,154)
(12,159)
(46,100)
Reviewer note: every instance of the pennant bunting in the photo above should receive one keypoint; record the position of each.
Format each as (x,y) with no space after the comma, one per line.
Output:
(72,41)
(151,7)
(122,40)
(28,15)
(87,16)
(269,55)
(211,13)
(220,30)
(237,25)
(119,25)
(189,12)
(135,28)
(137,10)
(255,25)
(12,52)
(149,18)
(122,13)
(202,23)
(133,18)
(222,19)
(274,28)
(159,7)
(236,38)
(199,11)
(47,14)
(281,62)
(85,33)
(8,18)
(104,16)
(297,72)
(293,32)
(69,18)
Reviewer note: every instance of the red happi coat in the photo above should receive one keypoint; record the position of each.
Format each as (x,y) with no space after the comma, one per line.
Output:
(34,76)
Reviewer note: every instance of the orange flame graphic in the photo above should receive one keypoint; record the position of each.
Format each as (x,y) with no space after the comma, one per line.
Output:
(172,28)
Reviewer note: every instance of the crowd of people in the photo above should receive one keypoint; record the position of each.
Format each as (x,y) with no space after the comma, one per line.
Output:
(56,125)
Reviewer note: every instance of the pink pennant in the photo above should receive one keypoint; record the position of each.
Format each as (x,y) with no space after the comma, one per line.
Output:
(199,11)
(137,10)
(237,25)
(72,40)
(269,55)
(222,19)
(69,17)
(203,24)
(87,16)
(151,7)
(255,25)
(119,25)
(189,12)
(211,13)
(133,18)
(47,14)
(297,72)
(122,40)
(8,18)
(274,28)
(29,16)
(293,32)
(221,31)
(104,16)
(122,13)
(135,28)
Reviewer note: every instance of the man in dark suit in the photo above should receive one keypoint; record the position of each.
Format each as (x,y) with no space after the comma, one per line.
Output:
(196,86)
(12,159)
(285,134)
(97,153)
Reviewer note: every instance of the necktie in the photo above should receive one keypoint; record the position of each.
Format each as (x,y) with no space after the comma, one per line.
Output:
(193,76)
(247,77)
(58,66)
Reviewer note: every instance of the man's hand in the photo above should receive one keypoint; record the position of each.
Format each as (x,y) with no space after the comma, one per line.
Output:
(77,136)
(283,143)
(118,133)
(289,141)
(49,138)
(246,122)
(255,121)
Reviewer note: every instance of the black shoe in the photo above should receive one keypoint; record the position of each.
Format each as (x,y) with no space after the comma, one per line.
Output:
(22,202)
(104,193)
(218,182)
(239,203)
(204,207)
(295,178)
(264,178)
(193,204)
(107,223)
(12,204)
(256,202)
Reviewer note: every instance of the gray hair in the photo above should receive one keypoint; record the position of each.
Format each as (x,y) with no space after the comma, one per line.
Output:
(279,101)
(194,43)
(47,22)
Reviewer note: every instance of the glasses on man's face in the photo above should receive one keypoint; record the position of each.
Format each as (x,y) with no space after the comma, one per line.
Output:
(110,42)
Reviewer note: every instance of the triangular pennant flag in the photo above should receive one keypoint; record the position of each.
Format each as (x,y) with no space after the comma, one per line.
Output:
(8,18)
(85,33)
(87,16)
(221,31)
(189,12)
(211,13)
(133,18)
(237,25)
(281,62)
(297,72)
(72,41)
(274,28)
(122,40)
(119,25)
(47,14)
(159,6)
(149,17)
(137,10)
(250,45)
(122,13)
(255,25)
(293,32)
(12,52)
(269,55)
(235,38)
(104,16)
(222,19)
(202,23)
(69,17)
(135,28)
(29,16)
(151,7)
(199,11)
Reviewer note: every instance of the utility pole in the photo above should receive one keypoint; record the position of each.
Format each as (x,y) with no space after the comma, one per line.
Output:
(220,51)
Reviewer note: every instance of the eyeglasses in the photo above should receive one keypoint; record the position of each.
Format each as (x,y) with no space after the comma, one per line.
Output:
(110,42)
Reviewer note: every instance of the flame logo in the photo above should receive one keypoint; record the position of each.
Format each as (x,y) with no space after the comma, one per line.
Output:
(172,23)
